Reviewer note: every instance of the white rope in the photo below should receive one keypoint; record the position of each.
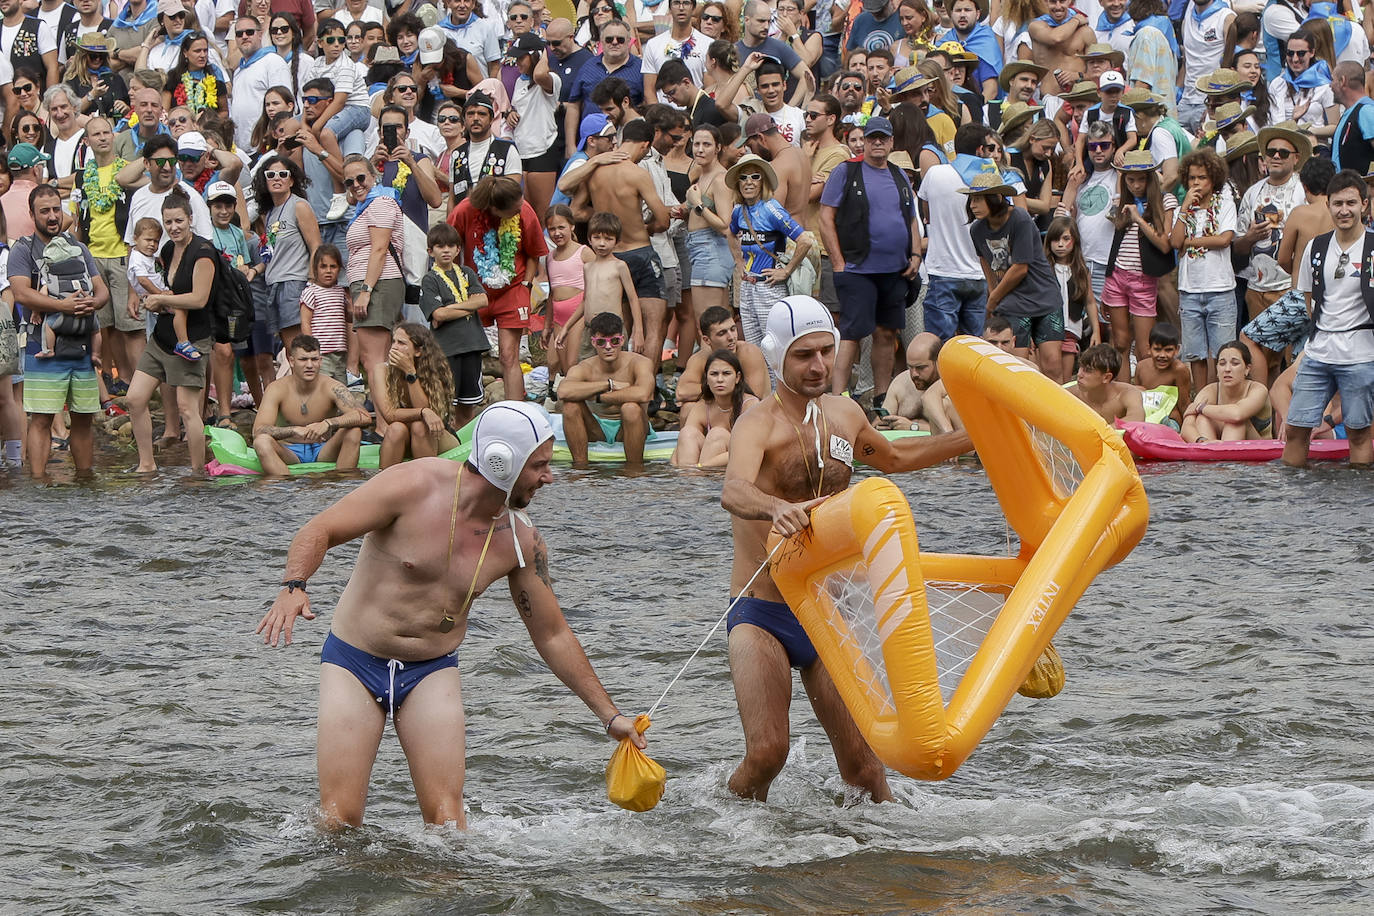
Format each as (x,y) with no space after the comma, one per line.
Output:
(716,626)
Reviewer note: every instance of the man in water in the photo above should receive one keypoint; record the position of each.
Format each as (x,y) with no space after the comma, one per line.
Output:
(786,455)
(605,396)
(307,416)
(433,530)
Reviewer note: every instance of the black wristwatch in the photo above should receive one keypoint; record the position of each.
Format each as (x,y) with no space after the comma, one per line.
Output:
(411,378)
(292,584)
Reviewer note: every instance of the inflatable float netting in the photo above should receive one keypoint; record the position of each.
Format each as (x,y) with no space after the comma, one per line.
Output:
(1152,442)
(927,649)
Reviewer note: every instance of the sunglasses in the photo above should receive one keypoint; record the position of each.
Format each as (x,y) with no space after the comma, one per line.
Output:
(1294,52)
(355,181)
(276,174)
(448,119)
(615,341)
(179,119)
(244,33)
(1342,264)
(27,87)
(811,115)
(1275,153)
(1101,145)
(181,15)
(25,128)
(314,99)
(852,87)
(164,162)
(614,39)
(280,29)
(405,88)
(188,157)
(752,176)
(333,40)
(709,17)
(519,17)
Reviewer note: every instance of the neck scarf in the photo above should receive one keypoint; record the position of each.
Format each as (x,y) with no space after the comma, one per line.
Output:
(981,41)
(968,166)
(378,191)
(1216,6)
(258,55)
(1314,77)
(1166,27)
(1107,25)
(122,21)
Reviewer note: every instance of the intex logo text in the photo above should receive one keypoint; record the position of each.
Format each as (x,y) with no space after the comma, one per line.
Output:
(1042,606)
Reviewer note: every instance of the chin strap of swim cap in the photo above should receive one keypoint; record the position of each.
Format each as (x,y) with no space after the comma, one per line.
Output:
(811,415)
(517,514)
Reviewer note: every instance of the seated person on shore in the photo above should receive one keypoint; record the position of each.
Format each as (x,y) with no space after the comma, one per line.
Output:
(1234,407)
(1165,368)
(1098,367)
(415,397)
(604,396)
(607,286)
(913,393)
(720,332)
(308,416)
(704,439)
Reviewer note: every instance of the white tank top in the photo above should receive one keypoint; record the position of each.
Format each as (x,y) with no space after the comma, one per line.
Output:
(1203,45)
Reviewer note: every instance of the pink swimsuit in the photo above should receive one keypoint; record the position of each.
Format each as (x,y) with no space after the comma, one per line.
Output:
(567,272)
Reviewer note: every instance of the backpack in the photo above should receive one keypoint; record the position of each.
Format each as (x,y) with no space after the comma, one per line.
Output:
(231,303)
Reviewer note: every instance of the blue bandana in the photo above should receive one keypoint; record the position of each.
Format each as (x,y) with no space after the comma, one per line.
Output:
(1106,25)
(1215,7)
(1314,77)
(968,166)
(258,55)
(378,191)
(1164,25)
(122,21)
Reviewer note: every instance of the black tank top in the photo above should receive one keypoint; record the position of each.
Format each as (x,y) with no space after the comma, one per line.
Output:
(680,182)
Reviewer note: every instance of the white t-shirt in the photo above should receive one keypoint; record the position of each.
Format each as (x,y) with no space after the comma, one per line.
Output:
(1284,100)
(1343,307)
(1162,146)
(538,128)
(1208,271)
(1263,270)
(250,88)
(143,269)
(1281,20)
(64,154)
(1096,198)
(370,14)
(791,124)
(662,47)
(344,74)
(148,203)
(951,253)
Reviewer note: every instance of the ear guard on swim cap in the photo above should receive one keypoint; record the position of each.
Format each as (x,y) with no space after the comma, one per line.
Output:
(505,436)
(791,318)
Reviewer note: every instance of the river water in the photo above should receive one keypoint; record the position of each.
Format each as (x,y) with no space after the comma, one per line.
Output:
(1210,752)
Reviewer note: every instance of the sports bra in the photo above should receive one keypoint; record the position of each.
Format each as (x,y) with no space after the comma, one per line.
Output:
(566,272)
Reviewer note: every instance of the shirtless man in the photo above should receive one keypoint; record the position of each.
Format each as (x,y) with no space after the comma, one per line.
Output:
(433,532)
(1097,386)
(792,166)
(1059,46)
(720,332)
(911,392)
(771,482)
(625,189)
(614,385)
(307,416)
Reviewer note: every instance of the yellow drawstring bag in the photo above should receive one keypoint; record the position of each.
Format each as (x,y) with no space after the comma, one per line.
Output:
(1046,676)
(634,781)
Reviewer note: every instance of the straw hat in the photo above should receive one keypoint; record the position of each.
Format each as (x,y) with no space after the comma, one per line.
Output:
(1016,113)
(988,183)
(95,42)
(1138,99)
(1102,51)
(1137,160)
(1082,91)
(1019,66)
(1287,130)
(957,52)
(1221,82)
(909,79)
(750,161)
(1241,144)
(902,160)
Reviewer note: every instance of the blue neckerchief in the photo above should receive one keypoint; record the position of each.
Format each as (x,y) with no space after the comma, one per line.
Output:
(178,41)
(1106,25)
(981,41)
(99,71)
(1247,95)
(210,70)
(409,59)
(1215,7)
(1051,21)
(373,88)
(968,166)
(1314,77)
(1140,204)
(288,55)
(379,190)
(1164,25)
(258,55)
(122,21)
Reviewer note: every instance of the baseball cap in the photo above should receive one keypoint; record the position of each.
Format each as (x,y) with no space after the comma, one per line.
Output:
(759,123)
(529,43)
(594,125)
(432,45)
(191,142)
(220,189)
(1112,80)
(878,126)
(26,156)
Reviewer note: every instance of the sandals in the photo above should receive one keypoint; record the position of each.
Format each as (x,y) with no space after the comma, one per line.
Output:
(225,423)
(186,351)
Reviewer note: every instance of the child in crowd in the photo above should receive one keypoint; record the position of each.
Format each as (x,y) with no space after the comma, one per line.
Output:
(144,277)
(1141,254)
(450,296)
(1165,368)
(244,254)
(607,286)
(1097,386)
(1203,229)
(1110,87)
(324,311)
(566,285)
(1075,288)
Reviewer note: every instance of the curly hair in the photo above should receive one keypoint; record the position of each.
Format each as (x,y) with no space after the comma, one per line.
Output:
(263,196)
(1207,160)
(436,381)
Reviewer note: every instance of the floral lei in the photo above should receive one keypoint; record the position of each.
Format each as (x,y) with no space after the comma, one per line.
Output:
(1203,221)
(402,176)
(198,94)
(102,198)
(495,259)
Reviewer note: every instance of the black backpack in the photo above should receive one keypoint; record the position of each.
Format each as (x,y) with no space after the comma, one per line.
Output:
(231,303)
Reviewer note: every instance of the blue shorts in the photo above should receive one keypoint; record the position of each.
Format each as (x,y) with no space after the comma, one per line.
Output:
(709,261)
(305,451)
(1207,321)
(1315,384)
(778,621)
(869,302)
(388,680)
(1284,324)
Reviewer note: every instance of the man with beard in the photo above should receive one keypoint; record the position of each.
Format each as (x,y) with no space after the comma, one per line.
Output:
(400,620)
(910,391)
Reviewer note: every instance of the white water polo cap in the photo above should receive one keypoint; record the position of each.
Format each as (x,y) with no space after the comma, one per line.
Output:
(792,318)
(505,436)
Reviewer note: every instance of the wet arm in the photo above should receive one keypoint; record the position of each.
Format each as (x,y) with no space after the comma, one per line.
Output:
(908,454)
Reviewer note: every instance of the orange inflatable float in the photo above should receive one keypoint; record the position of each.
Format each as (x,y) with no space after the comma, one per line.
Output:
(927,649)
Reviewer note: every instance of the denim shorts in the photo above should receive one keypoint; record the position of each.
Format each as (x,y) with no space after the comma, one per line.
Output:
(954,305)
(284,308)
(1208,320)
(712,264)
(1317,381)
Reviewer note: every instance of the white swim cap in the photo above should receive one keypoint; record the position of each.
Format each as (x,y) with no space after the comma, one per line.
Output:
(505,436)
(791,318)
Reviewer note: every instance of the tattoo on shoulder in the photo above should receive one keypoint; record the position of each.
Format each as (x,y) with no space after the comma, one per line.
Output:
(541,560)
(522,603)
